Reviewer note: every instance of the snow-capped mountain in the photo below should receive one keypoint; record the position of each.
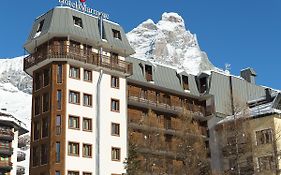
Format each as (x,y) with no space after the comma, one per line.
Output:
(168,42)
(15,95)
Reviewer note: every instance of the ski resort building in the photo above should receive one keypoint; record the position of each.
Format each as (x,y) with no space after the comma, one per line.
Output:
(10,154)
(250,139)
(88,92)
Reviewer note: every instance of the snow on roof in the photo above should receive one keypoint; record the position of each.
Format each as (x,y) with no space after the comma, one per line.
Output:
(5,116)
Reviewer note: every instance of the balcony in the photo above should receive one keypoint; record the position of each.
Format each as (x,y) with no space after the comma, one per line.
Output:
(6,134)
(230,150)
(5,166)
(198,111)
(6,150)
(20,170)
(66,52)
(21,143)
(21,156)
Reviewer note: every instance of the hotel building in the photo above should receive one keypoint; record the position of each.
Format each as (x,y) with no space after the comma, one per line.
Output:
(10,144)
(88,92)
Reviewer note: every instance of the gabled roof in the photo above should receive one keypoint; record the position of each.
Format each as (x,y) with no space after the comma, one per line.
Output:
(58,22)
(9,120)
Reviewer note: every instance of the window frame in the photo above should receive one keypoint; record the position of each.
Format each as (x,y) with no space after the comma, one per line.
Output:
(79,98)
(90,75)
(77,21)
(83,151)
(72,154)
(91,100)
(118,102)
(91,123)
(119,157)
(116,81)
(114,134)
(73,116)
(78,76)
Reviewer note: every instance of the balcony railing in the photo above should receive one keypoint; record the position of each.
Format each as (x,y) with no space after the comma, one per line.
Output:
(6,150)
(197,110)
(6,134)
(68,52)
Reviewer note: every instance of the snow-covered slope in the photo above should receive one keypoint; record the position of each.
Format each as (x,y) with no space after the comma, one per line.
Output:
(170,43)
(15,97)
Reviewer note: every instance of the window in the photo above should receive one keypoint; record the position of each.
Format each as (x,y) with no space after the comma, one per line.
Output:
(87,124)
(58,125)
(87,75)
(77,21)
(87,100)
(74,122)
(116,34)
(57,152)
(264,136)
(59,99)
(74,97)
(59,73)
(74,72)
(37,81)
(87,150)
(46,77)
(36,130)
(45,127)
(58,173)
(37,104)
(143,94)
(46,102)
(35,156)
(185,82)
(148,73)
(40,26)
(73,149)
(114,105)
(266,163)
(115,129)
(114,82)
(115,154)
(73,173)
(44,154)
(114,58)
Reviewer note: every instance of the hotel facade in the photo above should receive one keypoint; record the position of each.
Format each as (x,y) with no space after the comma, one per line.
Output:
(88,92)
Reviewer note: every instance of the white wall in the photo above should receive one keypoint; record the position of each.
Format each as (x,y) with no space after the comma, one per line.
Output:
(107,141)
(15,153)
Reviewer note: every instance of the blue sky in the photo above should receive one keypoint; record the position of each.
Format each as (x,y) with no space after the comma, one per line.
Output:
(243,33)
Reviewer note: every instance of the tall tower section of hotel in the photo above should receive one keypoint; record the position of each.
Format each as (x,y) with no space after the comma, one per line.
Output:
(79,108)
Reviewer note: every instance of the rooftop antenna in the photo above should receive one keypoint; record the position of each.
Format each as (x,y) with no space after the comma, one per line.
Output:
(227,68)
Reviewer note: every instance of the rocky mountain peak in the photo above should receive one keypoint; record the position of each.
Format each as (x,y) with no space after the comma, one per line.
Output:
(169,42)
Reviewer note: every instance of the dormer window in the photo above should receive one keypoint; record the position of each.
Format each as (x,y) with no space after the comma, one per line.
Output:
(185,83)
(203,84)
(101,29)
(116,34)
(40,26)
(148,73)
(77,22)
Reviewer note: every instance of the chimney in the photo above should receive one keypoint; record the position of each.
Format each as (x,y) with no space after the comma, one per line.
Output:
(268,94)
(249,74)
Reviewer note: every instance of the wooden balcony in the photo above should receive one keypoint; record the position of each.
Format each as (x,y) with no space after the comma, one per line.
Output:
(6,150)
(5,166)
(6,134)
(67,52)
(164,107)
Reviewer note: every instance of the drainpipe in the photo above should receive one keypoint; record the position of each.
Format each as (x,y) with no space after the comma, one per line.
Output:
(98,124)
(98,105)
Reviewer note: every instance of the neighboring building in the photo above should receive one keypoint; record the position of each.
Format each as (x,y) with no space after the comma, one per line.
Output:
(79,98)
(10,154)
(167,94)
(250,143)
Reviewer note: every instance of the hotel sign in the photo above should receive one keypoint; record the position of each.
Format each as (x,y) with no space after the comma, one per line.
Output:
(79,5)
